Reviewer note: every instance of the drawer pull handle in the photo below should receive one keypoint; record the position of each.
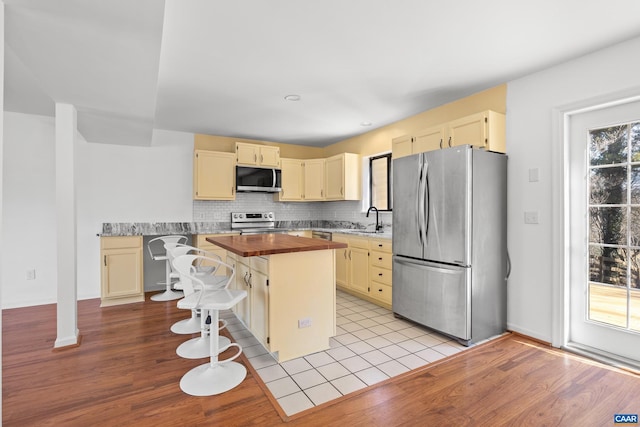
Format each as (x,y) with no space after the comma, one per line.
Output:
(379,274)
(380,245)
(379,259)
(379,290)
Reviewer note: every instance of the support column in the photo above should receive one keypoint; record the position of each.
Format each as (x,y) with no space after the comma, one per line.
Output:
(66,128)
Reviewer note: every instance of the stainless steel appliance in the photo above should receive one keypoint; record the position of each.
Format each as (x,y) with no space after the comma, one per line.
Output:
(260,180)
(255,223)
(449,241)
(324,235)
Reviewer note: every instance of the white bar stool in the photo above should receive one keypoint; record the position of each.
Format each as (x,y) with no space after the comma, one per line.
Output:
(197,348)
(216,376)
(169,294)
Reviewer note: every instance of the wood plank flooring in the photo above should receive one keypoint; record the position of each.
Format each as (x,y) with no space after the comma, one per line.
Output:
(126,372)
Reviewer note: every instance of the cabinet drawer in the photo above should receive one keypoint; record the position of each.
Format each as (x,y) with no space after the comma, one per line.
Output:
(382,245)
(260,264)
(381,259)
(381,292)
(121,242)
(381,275)
(359,243)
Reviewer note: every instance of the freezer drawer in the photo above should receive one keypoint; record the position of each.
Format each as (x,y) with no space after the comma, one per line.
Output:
(435,295)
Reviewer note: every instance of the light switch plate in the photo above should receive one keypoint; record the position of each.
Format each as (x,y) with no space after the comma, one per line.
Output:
(534,175)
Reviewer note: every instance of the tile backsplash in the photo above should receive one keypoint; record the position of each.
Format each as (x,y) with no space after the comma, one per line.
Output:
(215,211)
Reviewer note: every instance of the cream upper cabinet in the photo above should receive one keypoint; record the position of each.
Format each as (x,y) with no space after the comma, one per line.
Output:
(402,146)
(342,175)
(257,155)
(314,179)
(425,140)
(429,139)
(214,175)
(292,180)
(121,270)
(486,130)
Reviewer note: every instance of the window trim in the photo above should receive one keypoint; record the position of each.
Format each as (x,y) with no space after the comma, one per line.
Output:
(389,181)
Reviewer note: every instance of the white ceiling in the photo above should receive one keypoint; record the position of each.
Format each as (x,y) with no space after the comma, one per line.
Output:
(224,67)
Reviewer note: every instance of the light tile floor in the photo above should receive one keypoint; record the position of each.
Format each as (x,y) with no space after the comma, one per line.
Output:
(371,345)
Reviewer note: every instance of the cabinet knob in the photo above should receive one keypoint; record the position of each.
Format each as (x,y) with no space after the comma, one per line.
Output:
(380,259)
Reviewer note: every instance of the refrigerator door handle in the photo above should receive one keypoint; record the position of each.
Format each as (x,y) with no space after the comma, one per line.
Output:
(426,201)
(419,200)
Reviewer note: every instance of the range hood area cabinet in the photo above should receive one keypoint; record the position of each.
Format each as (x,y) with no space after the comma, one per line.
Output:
(486,130)
(257,155)
(214,175)
(334,178)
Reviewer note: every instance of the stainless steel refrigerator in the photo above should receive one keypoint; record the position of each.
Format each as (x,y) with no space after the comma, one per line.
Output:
(449,241)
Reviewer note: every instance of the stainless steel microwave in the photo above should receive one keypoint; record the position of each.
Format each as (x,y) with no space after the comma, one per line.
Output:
(262,180)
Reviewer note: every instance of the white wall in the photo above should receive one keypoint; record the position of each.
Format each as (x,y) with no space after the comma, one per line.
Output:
(114,184)
(532,142)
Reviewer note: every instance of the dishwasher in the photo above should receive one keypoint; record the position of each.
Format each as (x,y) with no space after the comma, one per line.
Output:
(324,235)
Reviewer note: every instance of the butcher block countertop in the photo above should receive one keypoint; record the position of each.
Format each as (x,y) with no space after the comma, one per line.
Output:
(271,244)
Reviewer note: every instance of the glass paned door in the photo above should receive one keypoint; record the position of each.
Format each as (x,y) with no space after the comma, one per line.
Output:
(613,225)
(603,231)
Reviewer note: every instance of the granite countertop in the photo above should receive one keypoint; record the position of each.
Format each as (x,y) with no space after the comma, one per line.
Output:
(193,228)
(271,244)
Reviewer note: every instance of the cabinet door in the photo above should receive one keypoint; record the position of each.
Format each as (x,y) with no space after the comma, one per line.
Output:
(121,272)
(269,156)
(260,306)
(214,175)
(428,139)
(334,174)
(401,146)
(469,130)
(359,274)
(247,154)
(314,179)
(342,262)
(292,180)
(243,311)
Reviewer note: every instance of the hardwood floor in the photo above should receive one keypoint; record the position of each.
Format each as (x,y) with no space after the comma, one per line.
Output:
(126,372)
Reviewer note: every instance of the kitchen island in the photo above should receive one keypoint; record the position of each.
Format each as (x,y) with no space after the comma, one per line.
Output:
(291,307)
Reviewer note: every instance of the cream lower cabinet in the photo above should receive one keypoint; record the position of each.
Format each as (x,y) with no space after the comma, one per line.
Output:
(364,268)
(300,233)
(342,261)
(252,275)
(380,269)
(121,270)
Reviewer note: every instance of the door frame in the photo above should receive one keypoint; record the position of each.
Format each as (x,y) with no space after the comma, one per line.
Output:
(560,212)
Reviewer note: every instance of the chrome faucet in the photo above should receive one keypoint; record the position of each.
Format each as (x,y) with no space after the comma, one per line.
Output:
(378,225)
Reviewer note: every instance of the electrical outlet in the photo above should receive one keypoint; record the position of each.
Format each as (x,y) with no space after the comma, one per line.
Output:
(304,323)
(531,217)
(31,274)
